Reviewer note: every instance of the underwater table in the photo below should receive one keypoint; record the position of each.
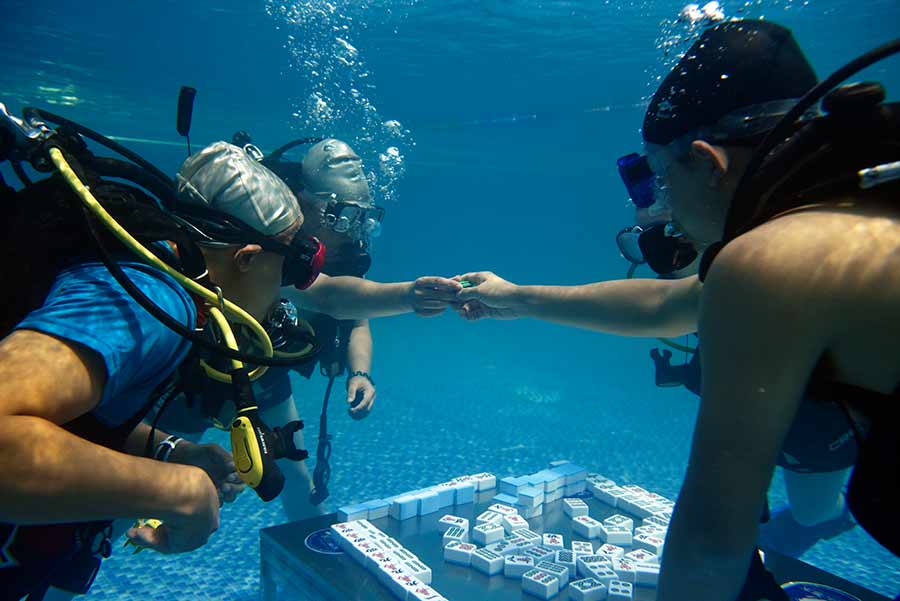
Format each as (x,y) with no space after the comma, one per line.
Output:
(291,569)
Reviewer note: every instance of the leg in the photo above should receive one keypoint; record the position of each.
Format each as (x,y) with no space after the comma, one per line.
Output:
(817,511)
(816,498)
(297,479)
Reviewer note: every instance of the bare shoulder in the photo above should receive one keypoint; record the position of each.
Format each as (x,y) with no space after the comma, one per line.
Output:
(829,277)
(827,257)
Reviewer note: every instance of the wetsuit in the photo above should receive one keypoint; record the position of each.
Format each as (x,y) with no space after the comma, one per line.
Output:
(873,493)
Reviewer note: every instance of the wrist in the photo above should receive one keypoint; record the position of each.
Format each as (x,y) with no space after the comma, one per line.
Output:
(409,294)
(182,452)
(169,449)
(360,374)
(186,492)
(522,299)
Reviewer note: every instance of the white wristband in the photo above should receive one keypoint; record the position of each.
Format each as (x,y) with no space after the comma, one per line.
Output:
(165,448)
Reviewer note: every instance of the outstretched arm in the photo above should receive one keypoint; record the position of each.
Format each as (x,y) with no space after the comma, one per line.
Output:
(637,307)
(348,297)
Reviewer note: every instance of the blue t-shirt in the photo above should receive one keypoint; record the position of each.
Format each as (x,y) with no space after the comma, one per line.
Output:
(87,306)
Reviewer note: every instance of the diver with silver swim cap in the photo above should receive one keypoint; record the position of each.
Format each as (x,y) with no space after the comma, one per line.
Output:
(334,186)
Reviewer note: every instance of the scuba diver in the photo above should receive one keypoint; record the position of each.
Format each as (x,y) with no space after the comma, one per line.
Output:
(818,453)
(334,197)
(797,205)
(126,293)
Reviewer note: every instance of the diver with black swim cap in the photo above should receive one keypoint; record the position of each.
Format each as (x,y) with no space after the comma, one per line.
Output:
(803,218)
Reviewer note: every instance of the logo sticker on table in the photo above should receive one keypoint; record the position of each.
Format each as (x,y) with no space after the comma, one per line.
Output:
(322,542)
(809,591)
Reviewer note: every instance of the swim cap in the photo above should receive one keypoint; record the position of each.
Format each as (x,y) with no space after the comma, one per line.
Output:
(732,66)
(332,171)
(223,177)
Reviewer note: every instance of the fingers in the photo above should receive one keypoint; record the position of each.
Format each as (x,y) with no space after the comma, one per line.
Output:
(352,388)
(468,294)
(358,414)
(430,312)
(473,311)
(150,538)
(229,492)
(474,277)
(364,406)
(438,284)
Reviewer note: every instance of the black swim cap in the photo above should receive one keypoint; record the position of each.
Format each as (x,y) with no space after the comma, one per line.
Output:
(731,66)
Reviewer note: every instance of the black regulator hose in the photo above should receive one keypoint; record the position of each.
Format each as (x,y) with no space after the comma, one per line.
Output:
(32,112)
(276,154)
(783,128)
(110,167)
(173,324)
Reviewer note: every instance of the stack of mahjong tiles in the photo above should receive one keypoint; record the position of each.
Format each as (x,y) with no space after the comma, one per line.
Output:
(655,511)
(458,491)
(500,542)
(617,556)
(404,574)
(529,494)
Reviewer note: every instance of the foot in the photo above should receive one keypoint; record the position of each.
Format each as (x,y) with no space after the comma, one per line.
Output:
(784,534)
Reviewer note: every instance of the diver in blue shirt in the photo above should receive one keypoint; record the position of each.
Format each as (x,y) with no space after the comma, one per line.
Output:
(85,359)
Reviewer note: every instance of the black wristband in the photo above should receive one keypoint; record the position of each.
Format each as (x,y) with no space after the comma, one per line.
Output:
(361,374)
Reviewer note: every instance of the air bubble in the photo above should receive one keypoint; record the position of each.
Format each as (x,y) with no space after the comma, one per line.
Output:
(323,41)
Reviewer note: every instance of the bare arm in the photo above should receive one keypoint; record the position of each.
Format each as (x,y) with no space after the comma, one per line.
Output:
(348,297)
(51,475)
(751,392)
(359,358)
(137,440)
(359,349)
(639,307)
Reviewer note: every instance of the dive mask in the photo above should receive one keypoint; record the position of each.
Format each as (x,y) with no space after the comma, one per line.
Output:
(303,261)
(359,222)
(662,247)
(636,174)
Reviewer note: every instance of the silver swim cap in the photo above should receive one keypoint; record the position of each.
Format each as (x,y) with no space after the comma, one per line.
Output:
(223,177)
(332,171)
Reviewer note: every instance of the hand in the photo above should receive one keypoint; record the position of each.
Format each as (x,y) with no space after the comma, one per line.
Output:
(474,310)
(359,387)
(190,524)
(489,296)
(431,295)
(216,462)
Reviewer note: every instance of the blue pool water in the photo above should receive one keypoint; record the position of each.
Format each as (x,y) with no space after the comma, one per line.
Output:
(509,117)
